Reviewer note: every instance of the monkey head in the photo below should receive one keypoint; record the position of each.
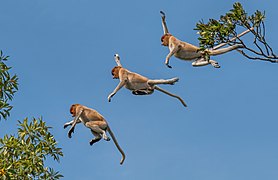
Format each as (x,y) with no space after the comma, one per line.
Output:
(73,109)
(165,39)
(115,72)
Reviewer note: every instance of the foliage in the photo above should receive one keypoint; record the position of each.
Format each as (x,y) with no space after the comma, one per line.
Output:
(217,33)
(23,157)
(8,86)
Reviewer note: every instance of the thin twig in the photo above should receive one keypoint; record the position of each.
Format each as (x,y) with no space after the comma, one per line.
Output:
(232,39)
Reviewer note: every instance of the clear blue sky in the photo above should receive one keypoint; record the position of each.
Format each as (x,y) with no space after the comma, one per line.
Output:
(63,51)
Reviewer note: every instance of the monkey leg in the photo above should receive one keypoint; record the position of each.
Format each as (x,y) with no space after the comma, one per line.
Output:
(143,91)
(163,81)
(215,52)
(70,123)
(202,62)
(96,138)
(163,17)
(98,127)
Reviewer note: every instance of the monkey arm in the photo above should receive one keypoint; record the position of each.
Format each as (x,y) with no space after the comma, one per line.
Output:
(70,123)
(119,86)
(170,94)
(163,17)
(75,121)
(171,53)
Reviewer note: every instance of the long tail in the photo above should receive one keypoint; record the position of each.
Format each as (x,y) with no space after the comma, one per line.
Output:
(170,94)
(117,145)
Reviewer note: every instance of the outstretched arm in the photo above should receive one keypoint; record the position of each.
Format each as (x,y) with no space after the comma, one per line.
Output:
(171,53)
(165,29)
(75,121)
(120,85)
(170,94)
(70,123)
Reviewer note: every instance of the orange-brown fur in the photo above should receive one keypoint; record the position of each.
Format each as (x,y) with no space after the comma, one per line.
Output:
(115,72)
(138,84)
(93,120)
(187,51)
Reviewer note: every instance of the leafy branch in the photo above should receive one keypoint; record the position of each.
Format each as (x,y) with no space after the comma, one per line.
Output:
(8,86)
(221,32)
(22,157)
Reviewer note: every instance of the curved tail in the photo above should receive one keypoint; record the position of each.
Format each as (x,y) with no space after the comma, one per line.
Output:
(170,94)
(117,145)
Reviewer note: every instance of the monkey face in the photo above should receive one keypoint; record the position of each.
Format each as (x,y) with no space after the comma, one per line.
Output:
(115,72)
(165,39)
(73,110)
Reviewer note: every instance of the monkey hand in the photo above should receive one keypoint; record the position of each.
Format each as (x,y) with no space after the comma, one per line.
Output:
(70,132)
(174,80)
(110,96)
(66,125)
(168,65)
(162,14)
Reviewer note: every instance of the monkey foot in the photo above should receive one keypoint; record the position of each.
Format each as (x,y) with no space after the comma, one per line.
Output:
(168,66)
(214,64)
(107,139)
(91,143)
(140,92)
(174,81)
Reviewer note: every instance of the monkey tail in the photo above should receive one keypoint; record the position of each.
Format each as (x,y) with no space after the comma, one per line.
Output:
(170,94)
(117,145)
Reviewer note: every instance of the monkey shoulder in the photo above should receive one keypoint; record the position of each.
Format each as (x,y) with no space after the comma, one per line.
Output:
(173,39)
(123,73)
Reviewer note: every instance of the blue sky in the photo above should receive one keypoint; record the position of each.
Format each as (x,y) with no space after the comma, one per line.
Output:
(63,51)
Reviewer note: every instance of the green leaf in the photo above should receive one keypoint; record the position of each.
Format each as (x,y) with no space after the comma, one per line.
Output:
(23,156)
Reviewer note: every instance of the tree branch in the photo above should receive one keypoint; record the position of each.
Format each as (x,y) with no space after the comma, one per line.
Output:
(234,38)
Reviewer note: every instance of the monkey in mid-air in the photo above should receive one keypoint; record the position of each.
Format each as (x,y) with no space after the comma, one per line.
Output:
(138,84)
(94,121)
(186,51)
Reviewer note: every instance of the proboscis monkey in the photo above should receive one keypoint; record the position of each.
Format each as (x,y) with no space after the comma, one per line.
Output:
(94,121)
(138,84)
(186,51)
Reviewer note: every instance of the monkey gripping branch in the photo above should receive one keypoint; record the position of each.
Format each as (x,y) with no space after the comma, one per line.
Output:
(217,33)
